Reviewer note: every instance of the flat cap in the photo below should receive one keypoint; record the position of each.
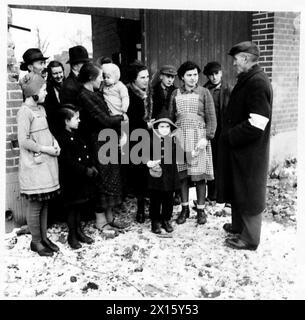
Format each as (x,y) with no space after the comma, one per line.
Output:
(168,69)
(211,67)
(245,46)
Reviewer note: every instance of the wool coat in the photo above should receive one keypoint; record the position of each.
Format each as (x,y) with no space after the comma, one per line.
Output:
(160,100)
(38,172)
(95,117)
(243,147)
(164,149)
(52,106)
(135,175)
(74,160)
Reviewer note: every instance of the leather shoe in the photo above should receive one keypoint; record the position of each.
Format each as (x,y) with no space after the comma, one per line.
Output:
(185,213)
(237,243)
(48,243)
(81,237)
(166,224)
(228,228)
(156,227)
(41,249)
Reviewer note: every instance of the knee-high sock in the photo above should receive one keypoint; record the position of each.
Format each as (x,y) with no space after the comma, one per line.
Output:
(44,220)
(33,219)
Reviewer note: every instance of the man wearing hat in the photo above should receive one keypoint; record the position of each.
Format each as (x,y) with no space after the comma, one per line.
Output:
(33,61)
(220,92)
(163,89)
(244,148)
(78,55)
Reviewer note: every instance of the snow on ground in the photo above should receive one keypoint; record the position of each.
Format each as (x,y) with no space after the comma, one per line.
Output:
(191,263)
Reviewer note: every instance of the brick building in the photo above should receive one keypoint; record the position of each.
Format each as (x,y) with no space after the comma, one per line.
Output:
(162,36)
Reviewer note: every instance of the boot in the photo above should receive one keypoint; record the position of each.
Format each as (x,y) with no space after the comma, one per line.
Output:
(156,226)
(72,240)
(140,217)
(201,216)
(41,249)
(184,214)
(79,232)
(44,229)
(166,224)
(71,222)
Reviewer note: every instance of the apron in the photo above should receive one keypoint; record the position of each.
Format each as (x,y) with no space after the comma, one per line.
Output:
(193,129)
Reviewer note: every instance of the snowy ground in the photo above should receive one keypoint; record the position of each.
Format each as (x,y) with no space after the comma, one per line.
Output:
(191,263)
(194,263)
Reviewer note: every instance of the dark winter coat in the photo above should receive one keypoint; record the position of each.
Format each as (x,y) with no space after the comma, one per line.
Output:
(224,96)
(164,148)
(70,90)
(74,161)
(244,148)
(160,100)
(52,106)
(95,116)
(135,175)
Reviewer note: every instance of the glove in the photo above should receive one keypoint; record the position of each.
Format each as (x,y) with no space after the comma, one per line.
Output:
(153,163)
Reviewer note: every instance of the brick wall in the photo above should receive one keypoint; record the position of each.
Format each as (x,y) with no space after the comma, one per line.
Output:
(14,100)
(278,36)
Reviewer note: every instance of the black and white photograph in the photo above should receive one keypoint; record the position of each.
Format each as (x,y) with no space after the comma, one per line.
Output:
(153,151)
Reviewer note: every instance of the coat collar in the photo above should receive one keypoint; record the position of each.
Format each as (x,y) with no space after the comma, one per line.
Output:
(246,75)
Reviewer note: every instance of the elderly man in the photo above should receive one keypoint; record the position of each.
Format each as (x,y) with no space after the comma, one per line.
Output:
(244,148)
(78,55)
(55,81)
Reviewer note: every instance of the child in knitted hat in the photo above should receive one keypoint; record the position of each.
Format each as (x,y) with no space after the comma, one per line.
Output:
(115,94)
(38,167)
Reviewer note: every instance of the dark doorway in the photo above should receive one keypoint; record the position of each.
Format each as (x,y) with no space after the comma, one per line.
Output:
(129,32)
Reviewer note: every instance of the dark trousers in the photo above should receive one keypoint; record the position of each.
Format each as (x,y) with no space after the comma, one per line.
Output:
(248,226)
(161,205)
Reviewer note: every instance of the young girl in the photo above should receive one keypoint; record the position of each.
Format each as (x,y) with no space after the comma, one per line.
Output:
(76,172)
(38,168)
(163,179)
(192,109)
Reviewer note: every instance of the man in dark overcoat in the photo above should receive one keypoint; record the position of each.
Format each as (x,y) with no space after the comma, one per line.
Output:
(69,92)
(244,148)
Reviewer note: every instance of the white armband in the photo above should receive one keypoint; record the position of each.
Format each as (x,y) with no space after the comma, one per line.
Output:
(258,121)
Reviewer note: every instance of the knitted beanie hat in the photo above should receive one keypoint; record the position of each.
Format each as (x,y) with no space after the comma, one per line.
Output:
(112,69)
(31,84)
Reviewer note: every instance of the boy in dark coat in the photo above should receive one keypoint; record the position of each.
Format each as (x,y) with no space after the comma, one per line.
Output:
(76,174)
(220,92)
(163,89)
(244,148)
(163,179)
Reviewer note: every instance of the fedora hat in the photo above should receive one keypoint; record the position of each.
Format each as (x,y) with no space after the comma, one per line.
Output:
(31,55)
(78,54)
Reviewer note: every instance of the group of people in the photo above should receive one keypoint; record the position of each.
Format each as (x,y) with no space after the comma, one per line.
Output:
(76,133)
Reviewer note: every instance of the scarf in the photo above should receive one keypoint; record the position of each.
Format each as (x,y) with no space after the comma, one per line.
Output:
(144,95)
